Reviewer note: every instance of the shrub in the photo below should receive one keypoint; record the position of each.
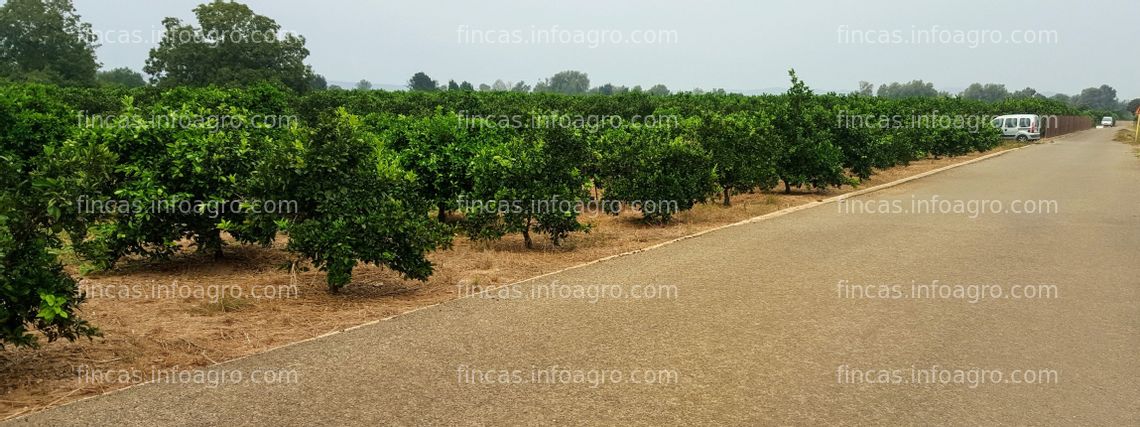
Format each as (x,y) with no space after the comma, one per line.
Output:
(742,147)
(40,173)
(662,171)
(182,172)
(528,180)
(808,155)
(355,203)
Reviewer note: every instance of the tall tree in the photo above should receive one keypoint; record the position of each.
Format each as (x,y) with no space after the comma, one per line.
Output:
(989,92)
(914,89)
(568,82)
(1132,105)
(44,40)
(658,90)
(466,86)
(610,89)
(232,46)
(422,83)
(866,88)
(363,85)
(318,82)
(1060,97)
(1099,98)
(808,155)
(452,85)
(521,87)
(123,76)
(1028,92)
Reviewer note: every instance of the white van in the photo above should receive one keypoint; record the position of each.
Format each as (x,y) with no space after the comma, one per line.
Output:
(1108,121)
(1023,127)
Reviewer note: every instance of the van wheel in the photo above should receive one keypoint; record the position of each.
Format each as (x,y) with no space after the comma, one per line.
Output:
(1022,138)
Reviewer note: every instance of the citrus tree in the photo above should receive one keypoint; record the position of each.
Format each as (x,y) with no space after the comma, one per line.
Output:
(658,170)
(808,155)
(41,172)
(354,202)
(742,146)
(528,180)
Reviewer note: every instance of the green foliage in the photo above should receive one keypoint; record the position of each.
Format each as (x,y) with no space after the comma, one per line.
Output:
(121,77)
(808,155)
(660,170)
(1098,98)
(365,190)
(860,137)
(565,82)
(45,41)
(914,89)
(1132,106)
(1028,92)
(318,82)
(529,180)
(990,92)
(182,172)
(233,46)
(658,90)
(41,171)
(437,149)
(355,203)
(421,82)
(743,148)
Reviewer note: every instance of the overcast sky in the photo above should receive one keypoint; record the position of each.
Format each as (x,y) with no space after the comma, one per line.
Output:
(1052,46)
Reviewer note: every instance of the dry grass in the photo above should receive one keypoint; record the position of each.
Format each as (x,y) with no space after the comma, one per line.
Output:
(166,332)
(1126,135)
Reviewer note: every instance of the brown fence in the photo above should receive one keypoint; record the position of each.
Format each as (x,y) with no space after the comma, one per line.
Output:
(1060,125)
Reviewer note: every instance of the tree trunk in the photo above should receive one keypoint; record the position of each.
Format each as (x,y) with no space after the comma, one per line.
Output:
(215,240)
(526,235)
(442,215)
(787,188)
(727,196)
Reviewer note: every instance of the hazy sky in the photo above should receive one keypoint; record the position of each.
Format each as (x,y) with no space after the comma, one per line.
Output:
(1052,46)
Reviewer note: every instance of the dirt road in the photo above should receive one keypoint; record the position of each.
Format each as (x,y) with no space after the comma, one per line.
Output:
(893,307)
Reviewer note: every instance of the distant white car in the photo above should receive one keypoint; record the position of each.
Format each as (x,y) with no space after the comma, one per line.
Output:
(1108,122)
(1022,127)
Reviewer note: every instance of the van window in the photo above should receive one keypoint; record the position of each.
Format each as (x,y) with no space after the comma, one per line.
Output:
(1025,122)
(1011,122)
(996,123)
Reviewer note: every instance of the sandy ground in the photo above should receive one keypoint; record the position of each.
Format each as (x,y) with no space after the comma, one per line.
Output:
(269,307)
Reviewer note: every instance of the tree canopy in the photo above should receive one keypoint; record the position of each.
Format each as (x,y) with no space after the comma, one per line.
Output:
(1097,98)
(122,76)
(989,92)
(914,89)
(566,82)
(45,41)
(232,46)
(421,82)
